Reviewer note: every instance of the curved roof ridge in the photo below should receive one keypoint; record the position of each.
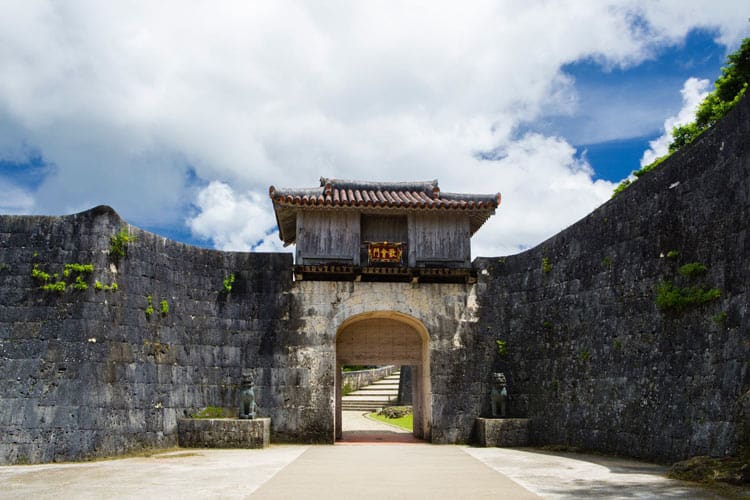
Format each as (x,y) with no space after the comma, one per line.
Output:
(427,186)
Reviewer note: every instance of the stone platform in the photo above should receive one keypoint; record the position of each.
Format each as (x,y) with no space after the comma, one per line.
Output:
(223,433)
(503,432)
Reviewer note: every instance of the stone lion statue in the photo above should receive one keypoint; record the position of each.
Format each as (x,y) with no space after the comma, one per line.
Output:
(247,398)
(499,395)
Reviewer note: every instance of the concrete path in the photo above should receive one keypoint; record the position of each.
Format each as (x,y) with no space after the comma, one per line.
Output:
(367,470)
(383,472)
(577,475)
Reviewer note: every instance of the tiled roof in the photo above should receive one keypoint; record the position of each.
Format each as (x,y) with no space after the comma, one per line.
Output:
(343,193)
(376,196)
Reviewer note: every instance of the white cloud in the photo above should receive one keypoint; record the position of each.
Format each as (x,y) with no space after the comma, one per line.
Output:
(231,221)
(129,101)
(693,92)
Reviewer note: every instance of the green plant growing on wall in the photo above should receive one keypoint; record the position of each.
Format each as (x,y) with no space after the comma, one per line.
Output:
(57,286)
(118,243)
(347,389)
(693,270)
(79,268)
(728,90)
(546,265)
(585,355)
(38,274)
(720,319)
(149,307)
(670,297)
(618,345)
(164,305)
(98,285)
(228,282)
(210,412)
(502,347)
(547,325)
(607,262)
(673,254)
(80,284)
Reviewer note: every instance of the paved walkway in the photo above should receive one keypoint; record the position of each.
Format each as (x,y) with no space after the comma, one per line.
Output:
(370,470)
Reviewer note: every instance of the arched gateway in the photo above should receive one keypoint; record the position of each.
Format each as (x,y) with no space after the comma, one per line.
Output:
(387,338)
(383,275)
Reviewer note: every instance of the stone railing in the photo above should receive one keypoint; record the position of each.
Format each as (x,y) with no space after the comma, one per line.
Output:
(361,378)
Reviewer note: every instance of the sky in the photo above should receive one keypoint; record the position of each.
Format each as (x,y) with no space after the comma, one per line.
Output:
(181,114)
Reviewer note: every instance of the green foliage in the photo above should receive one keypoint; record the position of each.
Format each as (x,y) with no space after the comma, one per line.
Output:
(80,268)
(621,187)
(607,262)
(728,90)
(651,166)
(164,307)
(80,284)
(720,319)
(618,345)
(673,254)
(355,368)
(118,243)
(4,267)
(347,389)
(149,307)
(693,270)
(405,422)
(395,411)
(210,412)
(546,265)
(547,325)
(502,347)
(57,286)
(683,135)
(98,285)
(38,274)
(228,282)
(670,297)
(584,355)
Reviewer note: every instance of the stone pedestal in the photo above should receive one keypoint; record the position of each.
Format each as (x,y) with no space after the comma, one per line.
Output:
(503,432)
(223,433)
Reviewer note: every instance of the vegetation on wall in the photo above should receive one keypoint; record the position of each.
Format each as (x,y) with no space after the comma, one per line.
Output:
(546,265)
(674,298)
(728,90)
(149,306)
(118,243)
(228,282)
(210,412)
(52,283)
(670,297)
(502,347)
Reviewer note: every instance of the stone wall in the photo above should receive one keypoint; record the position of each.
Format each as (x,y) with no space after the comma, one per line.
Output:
(591,358)
(87,373)
(360,378)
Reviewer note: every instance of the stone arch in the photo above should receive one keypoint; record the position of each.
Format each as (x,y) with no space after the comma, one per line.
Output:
(387,337)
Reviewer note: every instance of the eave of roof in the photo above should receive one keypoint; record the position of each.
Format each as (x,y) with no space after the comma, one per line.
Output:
(342,194)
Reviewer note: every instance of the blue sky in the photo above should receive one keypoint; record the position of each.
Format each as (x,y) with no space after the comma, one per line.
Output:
(182,118)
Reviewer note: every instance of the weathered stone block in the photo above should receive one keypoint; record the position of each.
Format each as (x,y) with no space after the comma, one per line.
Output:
(223,433)
(503,432)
